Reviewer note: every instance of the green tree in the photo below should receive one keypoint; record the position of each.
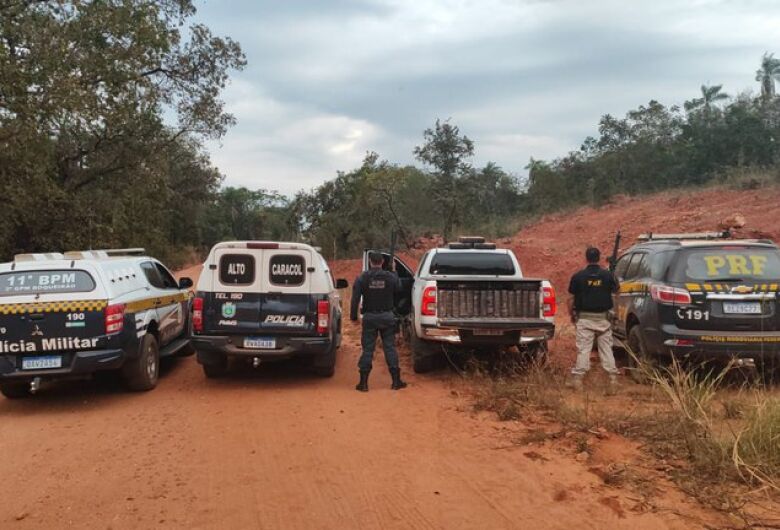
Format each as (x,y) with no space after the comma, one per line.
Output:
(767,75)
(101,101)
(447,152)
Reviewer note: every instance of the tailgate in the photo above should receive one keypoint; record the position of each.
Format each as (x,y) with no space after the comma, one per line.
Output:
(43,327)
(262,291)
(730,307)
(490,304)
(248,313)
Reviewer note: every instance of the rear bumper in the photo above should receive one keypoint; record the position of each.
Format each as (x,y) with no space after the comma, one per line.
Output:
(716,346)
(75,364)
(466,331)
(211,348)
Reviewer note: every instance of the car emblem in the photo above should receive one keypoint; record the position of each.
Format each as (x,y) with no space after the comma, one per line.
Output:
(36,332)
(742,289)
(228,310)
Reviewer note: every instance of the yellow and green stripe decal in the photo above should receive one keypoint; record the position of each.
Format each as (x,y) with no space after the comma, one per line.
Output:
(633,287)
(70,306)
(151,303)
(79,306)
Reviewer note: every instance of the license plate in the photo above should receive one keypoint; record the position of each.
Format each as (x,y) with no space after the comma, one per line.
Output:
(490,332)
(42,363)
(742,308)
(260,343)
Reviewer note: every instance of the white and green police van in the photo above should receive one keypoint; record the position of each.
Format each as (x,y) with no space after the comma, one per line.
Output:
(266,301)
(73,314)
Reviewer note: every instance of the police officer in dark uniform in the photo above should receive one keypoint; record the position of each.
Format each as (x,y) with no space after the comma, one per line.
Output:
(377,288)
(590,307)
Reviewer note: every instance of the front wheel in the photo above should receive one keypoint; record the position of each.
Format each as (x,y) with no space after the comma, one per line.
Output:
(141,374)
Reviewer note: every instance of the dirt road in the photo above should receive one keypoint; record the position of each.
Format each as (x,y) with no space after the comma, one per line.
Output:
(279,449)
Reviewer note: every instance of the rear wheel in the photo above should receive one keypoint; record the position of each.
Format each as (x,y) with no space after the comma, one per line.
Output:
(535,352)
(141,374)
(640,363)
(325,365)
(15,390)
(425,356)
(769,371)
(217,369)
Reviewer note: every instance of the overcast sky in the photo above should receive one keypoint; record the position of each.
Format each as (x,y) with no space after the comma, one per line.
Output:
(328,80)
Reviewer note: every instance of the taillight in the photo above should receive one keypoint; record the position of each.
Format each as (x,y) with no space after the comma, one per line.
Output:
(323,317)
(197,315)
(549,304)
(115,318)
(428,307)
(664,294)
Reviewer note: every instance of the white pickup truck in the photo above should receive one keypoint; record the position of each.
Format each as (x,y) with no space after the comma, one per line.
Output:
(473,295)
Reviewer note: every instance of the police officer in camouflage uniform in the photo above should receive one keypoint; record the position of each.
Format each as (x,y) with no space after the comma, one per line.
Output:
(377,288)
(590,306)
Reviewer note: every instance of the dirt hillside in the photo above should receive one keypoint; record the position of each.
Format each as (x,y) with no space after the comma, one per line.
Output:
(554,247)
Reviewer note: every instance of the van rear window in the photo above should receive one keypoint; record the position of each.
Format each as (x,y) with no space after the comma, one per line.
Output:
(42,282)
(728,263)
(237,269)
(287,269)
(471,262)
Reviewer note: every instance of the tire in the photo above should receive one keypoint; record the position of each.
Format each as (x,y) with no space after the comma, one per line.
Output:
(325,364)
(638,352)
(425,356)
(141,374)
(186,351)
(769,372)
(216,370)
(15,390)
(535,352)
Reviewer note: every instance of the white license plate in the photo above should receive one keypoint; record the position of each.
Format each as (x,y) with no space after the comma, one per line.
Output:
(742,308)
(490,332)
(260,343)
(42,363)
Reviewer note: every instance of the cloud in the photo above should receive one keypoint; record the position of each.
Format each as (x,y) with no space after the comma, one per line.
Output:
(285,147)
(327,81)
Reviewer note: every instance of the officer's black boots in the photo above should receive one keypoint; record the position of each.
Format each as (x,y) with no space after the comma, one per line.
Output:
(362,386)
(398,383)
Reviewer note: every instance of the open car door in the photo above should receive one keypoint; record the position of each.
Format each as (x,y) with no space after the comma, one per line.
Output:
(403,299)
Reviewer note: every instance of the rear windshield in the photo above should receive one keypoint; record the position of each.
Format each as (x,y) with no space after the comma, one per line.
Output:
(477,263)
(728,263)
(41,282)
(237,269)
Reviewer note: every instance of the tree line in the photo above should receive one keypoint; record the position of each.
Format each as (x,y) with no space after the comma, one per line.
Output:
(104,106)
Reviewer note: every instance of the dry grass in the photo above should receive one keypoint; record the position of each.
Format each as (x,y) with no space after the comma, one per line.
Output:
(726,438)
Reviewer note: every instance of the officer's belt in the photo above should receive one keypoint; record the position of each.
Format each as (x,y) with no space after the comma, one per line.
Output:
(592,315)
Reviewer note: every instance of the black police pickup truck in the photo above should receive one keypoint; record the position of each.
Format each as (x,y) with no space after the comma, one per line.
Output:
(701,297)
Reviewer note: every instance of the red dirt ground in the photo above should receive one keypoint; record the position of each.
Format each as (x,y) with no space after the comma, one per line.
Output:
(279,449)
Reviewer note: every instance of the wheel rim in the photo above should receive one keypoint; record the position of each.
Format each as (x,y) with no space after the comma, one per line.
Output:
(151,364)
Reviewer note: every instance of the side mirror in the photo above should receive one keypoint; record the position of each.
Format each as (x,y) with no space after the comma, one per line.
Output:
(341,283)
(185,283)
